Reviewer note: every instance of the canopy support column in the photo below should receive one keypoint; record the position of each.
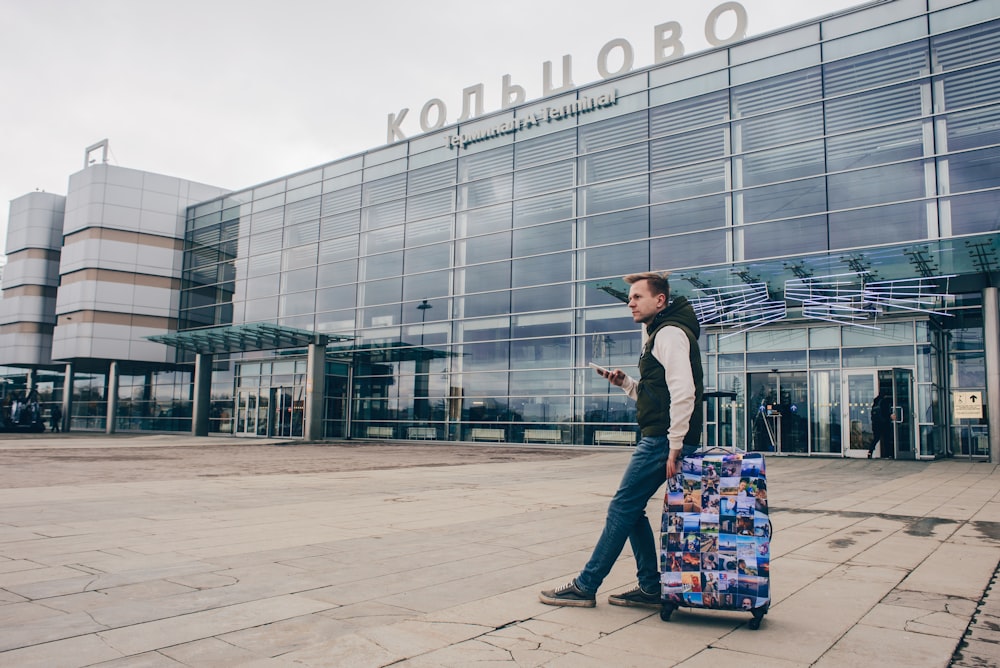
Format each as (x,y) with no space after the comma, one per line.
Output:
(202,394)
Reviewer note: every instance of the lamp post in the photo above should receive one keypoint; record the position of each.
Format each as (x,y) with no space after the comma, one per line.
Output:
(421,379)
(422,307)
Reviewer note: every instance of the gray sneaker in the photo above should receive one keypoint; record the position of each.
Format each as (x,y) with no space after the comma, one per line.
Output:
(636,598)
(568,595)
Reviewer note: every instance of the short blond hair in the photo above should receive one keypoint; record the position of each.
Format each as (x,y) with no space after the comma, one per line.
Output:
(657,280)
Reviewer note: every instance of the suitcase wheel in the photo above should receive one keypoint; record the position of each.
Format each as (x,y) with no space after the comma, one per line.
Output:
(758,616)
(666,611)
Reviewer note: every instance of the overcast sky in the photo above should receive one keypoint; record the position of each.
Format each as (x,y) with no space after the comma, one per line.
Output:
(236,92)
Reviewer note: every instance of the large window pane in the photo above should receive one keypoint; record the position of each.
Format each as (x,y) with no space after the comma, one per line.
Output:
(259,286)
(431,204)
(299,279)
(542,269)
(611,260)
(484,248)
(700,179)
(974,170)
(762,96)
(432,177)
(341,200)
(688,250)
(974,213)
(339,249)
(538,325)
(622,194)
(546,208)
(688,215)
(622,130)
(683,149)
(340,225)
(541,383)
(615,227)
(329,299)
(426,258)
(787,237)
(485,192)
(612,164)
(427,286)
(337,273)
(541,299)
(960,48)
(484,277)
(686,114)
(300,212)
(784,200)
(878,356)
(973,128)
(304,233)
(879,67)
(543,238)
(382,292)
(299,257)
(383,190)
(266,242)
(484,304)
(383,215)
(864,227)
(877,185)
(782,127)
(297,303)
(382,266)
(546,148)
(384,240)
(781,164)
(967,370)
(554,176)
(875,107)
(429,231)
(481,221)
(877,146)
(488,163)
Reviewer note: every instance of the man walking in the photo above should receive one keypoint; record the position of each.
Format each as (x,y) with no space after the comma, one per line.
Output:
(668,399)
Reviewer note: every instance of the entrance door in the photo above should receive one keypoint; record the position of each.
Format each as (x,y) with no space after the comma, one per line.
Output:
(902,413)
(289,409)
(777,411)
(251,413)
(861,388)
(246,413)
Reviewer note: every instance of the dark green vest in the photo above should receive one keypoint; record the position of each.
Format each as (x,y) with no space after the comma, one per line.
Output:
(653,398)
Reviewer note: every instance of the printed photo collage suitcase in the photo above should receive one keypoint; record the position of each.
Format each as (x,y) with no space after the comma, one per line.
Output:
(716,535)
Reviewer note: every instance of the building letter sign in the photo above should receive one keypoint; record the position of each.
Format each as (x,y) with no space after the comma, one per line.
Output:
(667,45)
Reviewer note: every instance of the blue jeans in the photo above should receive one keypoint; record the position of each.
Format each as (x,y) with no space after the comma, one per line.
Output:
(646,472)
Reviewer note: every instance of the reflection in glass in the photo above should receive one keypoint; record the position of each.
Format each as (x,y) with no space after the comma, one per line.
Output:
(824,425)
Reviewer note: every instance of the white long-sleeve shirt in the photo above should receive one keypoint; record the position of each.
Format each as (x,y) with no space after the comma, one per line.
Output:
(672,349)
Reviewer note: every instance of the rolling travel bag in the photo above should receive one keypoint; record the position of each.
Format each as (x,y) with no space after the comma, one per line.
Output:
(716,535)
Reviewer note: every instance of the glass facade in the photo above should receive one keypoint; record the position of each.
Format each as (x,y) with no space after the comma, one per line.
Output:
(478,281)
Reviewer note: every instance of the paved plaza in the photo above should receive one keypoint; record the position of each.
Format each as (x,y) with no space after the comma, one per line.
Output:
(175,551)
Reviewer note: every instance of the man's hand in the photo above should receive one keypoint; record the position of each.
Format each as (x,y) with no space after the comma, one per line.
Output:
(616,377)
(672,468)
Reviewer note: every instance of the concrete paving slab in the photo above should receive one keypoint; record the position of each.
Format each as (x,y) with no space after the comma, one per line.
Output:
(84,650)
(441,564)
(714,657)
(864,646)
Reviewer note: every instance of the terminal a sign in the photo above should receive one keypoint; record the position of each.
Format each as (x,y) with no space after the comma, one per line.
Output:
(542,115)
(667,46)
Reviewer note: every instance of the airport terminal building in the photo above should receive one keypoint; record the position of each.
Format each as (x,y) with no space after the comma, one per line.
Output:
(827,196)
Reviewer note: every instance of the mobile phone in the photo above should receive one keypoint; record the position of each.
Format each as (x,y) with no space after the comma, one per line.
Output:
(600,369)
